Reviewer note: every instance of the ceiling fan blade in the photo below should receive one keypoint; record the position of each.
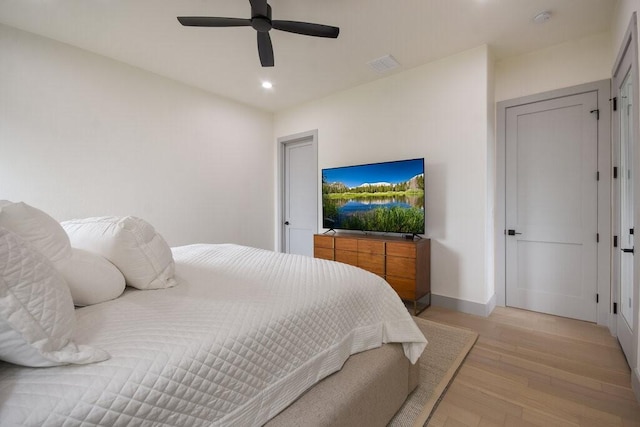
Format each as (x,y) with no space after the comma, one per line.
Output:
(265,49)
(306,28)
(259,7)
(208,21)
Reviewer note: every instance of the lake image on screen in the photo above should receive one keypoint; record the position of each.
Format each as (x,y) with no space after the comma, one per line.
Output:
(384,197)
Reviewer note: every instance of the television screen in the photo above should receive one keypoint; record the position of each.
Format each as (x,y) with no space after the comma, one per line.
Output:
(385,197)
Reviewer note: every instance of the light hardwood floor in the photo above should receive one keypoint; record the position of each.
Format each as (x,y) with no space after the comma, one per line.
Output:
(534,369)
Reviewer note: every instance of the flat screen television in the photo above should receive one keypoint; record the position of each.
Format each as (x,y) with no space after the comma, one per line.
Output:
(379,197)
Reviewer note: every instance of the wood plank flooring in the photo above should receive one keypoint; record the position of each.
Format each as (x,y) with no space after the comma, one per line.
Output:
(532,369)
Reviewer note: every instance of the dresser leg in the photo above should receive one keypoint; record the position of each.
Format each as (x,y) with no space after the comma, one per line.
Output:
(421,304)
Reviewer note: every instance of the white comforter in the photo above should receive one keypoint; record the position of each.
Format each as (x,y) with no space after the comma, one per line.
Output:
(240,338)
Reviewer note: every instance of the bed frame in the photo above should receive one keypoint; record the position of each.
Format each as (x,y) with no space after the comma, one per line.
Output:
(368,390)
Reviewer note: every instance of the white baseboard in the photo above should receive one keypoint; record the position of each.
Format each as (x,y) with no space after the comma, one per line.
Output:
(635,382)
(465,306)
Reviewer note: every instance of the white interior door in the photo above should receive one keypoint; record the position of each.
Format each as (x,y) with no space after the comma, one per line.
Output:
(300,196)
(624,122)
(552,206)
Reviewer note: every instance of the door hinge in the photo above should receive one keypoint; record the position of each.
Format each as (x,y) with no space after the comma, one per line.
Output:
(598,176)
(597,113)
(615,241)
(614,103)
(615,172)
(597,298)
(615,308)
(597,237)
(631,231)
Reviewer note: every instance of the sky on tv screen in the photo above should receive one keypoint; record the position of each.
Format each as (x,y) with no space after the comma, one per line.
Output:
(391,172)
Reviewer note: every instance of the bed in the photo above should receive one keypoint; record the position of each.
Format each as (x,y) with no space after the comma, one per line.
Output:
(242,339)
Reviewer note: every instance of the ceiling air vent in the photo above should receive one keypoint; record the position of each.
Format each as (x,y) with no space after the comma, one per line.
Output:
(384,64)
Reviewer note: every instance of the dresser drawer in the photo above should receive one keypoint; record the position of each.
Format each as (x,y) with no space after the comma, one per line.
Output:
(346,244)
(346,257)
(322,241)
(401,267)
(323,253)
(370,247)
(401,249)
(405,288)
(372,263)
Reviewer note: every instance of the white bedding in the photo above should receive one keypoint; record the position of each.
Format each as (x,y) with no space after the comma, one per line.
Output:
(244,333)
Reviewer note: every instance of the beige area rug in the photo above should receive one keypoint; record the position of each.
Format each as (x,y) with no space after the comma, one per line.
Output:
(447,348)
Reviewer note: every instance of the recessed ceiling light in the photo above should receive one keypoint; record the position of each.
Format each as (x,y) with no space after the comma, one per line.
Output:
(267,85)
(542,17)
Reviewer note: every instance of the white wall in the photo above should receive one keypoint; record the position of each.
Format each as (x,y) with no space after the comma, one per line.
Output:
(567,64)
(437,111)
(82,135)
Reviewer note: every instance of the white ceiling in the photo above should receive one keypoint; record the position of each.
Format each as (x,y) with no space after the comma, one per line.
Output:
(224,61)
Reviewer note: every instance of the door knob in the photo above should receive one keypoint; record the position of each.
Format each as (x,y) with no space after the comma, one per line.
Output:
(628,251)
(512,232)
(286,223)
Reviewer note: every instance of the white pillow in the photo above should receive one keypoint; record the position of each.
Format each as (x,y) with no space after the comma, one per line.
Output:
(37,317)
(131,244)
(47,235)
(36,227)
(91,278)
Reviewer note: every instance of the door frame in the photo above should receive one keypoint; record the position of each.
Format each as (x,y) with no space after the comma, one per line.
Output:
(603,90)
(630,43)
(311,136)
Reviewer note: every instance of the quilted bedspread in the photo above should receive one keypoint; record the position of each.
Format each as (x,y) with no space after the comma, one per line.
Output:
(244,333)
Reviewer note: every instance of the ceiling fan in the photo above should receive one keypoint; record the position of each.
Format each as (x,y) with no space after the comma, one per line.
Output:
(261,22)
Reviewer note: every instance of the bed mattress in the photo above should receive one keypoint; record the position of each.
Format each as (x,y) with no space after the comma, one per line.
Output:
(244,334)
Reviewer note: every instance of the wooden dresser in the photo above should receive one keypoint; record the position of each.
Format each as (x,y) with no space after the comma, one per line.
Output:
(404,264)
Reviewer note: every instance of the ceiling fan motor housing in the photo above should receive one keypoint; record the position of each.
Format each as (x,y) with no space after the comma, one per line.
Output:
(260,22)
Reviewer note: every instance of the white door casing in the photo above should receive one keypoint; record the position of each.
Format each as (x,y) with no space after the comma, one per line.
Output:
(299,185)
(625,130)
(626,242)
(604,194)
(552,206)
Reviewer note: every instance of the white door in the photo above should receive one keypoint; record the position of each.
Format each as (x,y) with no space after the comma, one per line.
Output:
(300,220)
(552,206)
(623,121)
